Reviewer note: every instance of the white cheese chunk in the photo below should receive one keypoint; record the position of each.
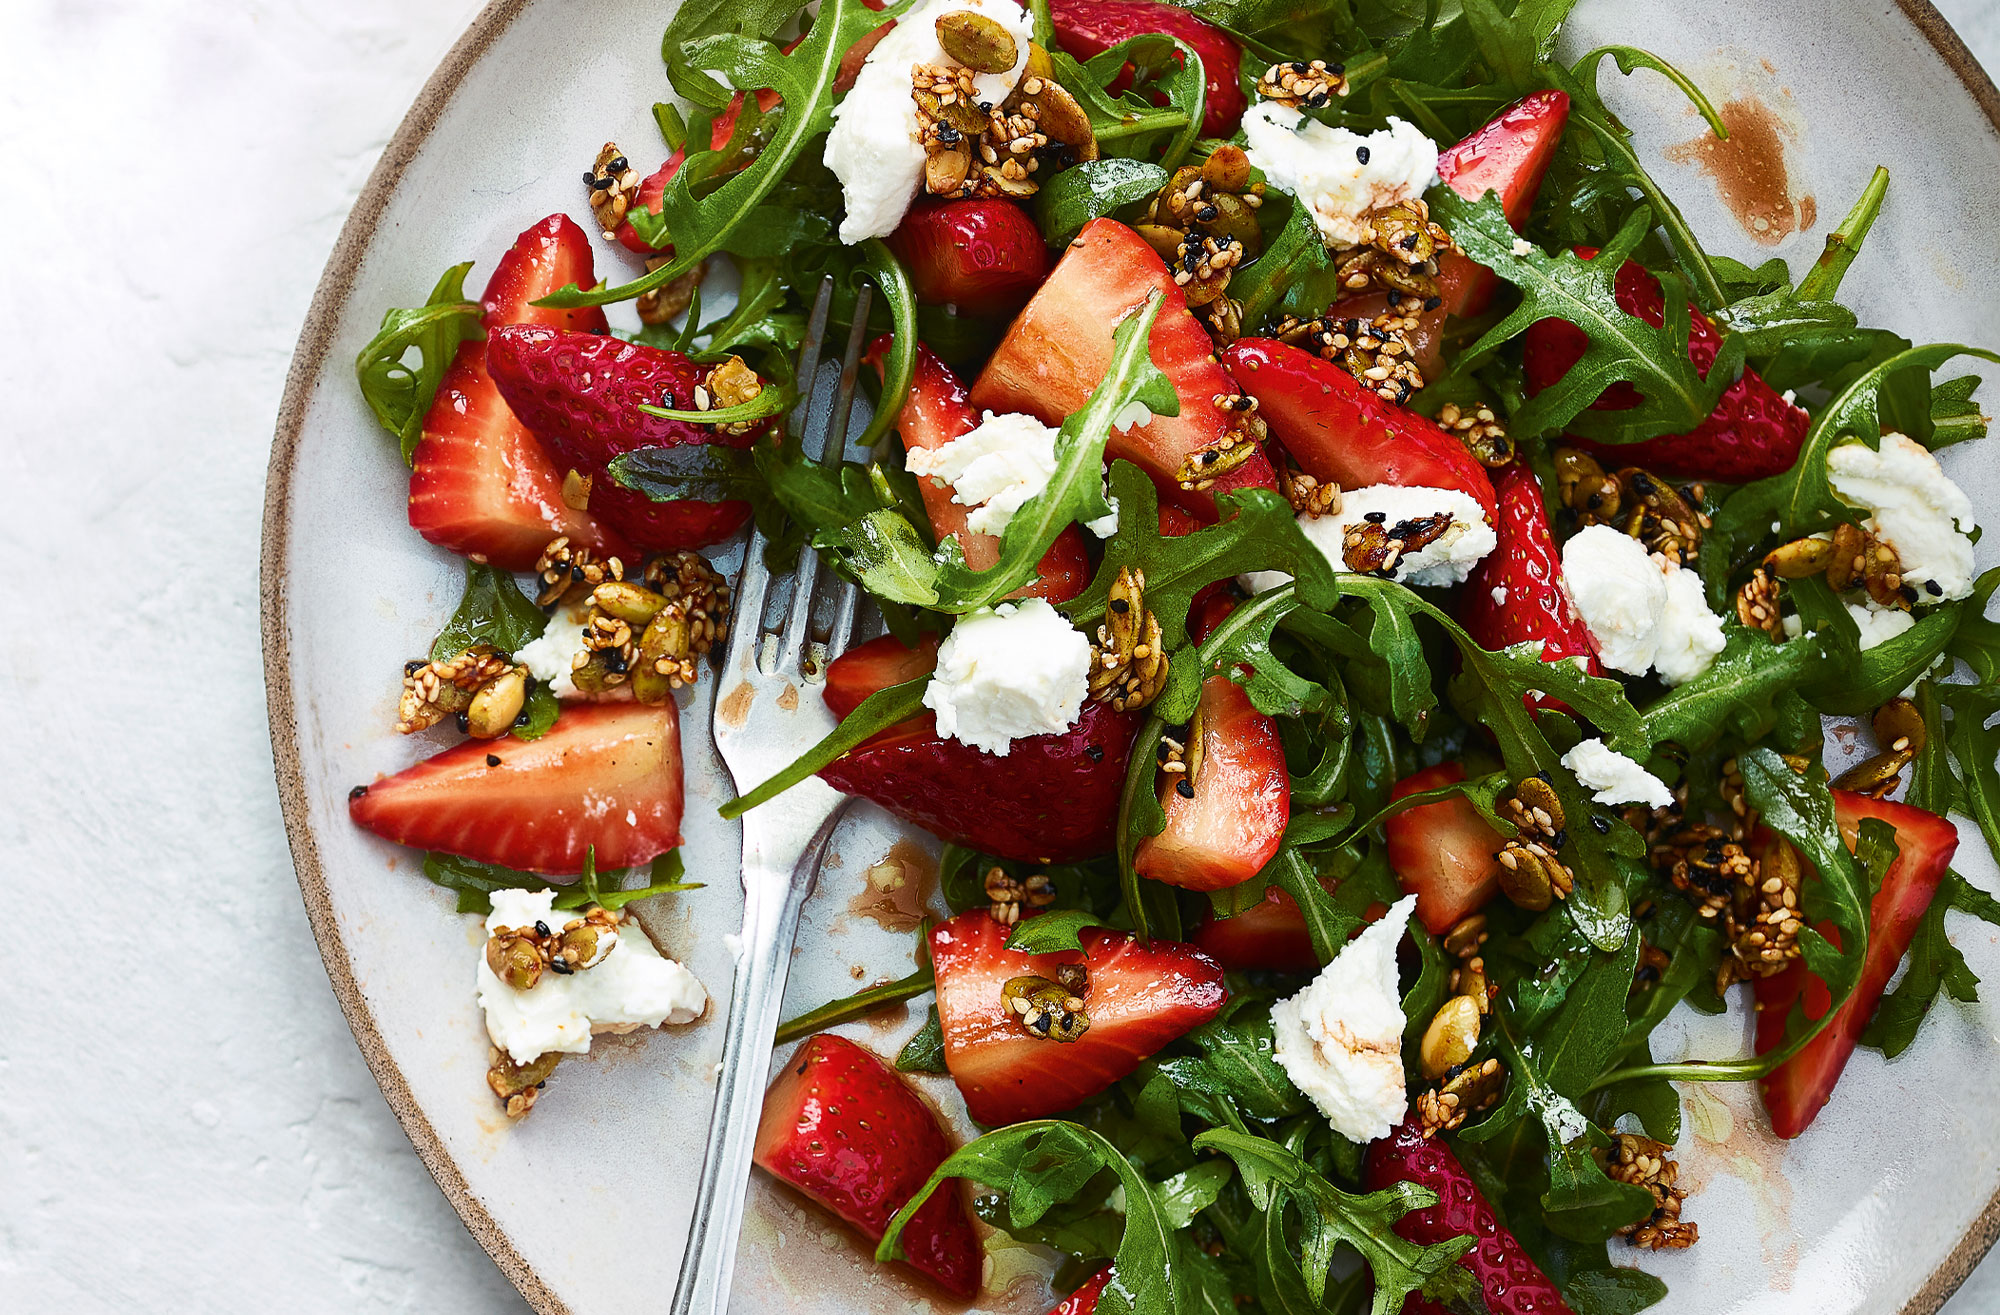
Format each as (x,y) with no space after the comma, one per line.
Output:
(550,657)
(1340,1040)
(995,467)
(1615,778)
(631,985)
(1643,610)
(1878,625)
(1339,175)
(1915,508)
(1447,559)
(1009,672)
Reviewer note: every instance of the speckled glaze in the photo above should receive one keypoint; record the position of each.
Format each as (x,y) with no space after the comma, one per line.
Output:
(1883,1206)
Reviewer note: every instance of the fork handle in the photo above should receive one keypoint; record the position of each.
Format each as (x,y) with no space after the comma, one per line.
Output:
(772,899)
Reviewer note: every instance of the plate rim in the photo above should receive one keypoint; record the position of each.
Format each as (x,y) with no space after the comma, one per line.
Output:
(308,363)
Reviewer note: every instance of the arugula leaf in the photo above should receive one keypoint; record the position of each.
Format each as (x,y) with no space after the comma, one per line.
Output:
(899,367)
(1058,931)
(474,882)
(707,471)
(398,394)
(1516,43)
(1844,689)
(1235,1064)
(862,1003)
(1843,244)
(493,610)
(1935,966)
(1090,191)
(924,1052)
(1737,695)
(876,713)
(1159,63)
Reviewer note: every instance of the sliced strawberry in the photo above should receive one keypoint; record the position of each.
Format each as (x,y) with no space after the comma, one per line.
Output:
(876,665)
(1083,1301)
(1140,997)
(1270,936)
(1086,28)
(984,255)
(1510,1280)
(1341,432)
(654,186)
(606,777)
(580,394)
(1516,594)
(937,411)
(1059,348)
(840,1126)
(1442,852)
(480,483)
(1753,433)
(1801,1086)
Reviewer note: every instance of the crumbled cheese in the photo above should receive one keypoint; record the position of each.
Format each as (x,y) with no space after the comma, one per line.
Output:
(1615,778)
(550,658)
(1879,625)
(1916,509)
(1447,559)
(1009,672)
(633,985)
(1106,525)
(1131,414)
(1339,175)
(995,467)
(1523,247)
(873,148)
(1644,612)
(1340,1040)
(1499,595)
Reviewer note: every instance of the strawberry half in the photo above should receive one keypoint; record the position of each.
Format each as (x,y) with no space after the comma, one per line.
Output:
(1800,1088)
(876,665)
(937,411)
(1086,28)
(1516,594)
(480,483)
(983,255)
(1442,852)
(1341,432)
(1271,937)
(653,188)
(1512,1283)
(841,1127)
(1083,1301)
(606,777)
(1060,346)
(1753,433)
(1141,996)
(580,393)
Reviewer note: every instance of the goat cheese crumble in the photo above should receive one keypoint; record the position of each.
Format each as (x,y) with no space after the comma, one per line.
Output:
(1644,612)
(550,656)
(995,467)
(631,985)
(1914,507)
(873,148)
(1615,778)
(1447,559)
(1008,672)
(1878,625)
(1340,1039)
(1339,175)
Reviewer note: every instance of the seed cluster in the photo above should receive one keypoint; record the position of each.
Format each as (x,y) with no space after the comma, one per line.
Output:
(1050,1010)
(653,635)
(1461,1088)
(613,184)
(1531,874)
(1309,498)
(479,680)
(974,148)
(1376,351)
(517,1085)
(1476,426)
(1743,884)
(1847,556)
(1008,895)
(1899,738)
(570,570)
(1372,546)
(670,299)
(1666,520)
(1643,1162)
(519,956)
(1205,465)
(1303,85)
(1128,660)
(1203,223)
(732,383)
(1397,257)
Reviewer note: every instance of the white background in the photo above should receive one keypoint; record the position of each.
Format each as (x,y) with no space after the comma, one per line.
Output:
(185,1123)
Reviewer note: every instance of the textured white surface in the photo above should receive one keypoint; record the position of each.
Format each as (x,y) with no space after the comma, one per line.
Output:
(208,1138)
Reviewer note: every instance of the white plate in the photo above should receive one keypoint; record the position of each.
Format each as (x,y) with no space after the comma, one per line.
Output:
(1885,1204)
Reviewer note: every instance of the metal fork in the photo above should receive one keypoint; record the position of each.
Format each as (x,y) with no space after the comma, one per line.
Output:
(765,716)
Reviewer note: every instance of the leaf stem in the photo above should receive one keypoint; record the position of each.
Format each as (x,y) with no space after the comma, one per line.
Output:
(1843,244)
(879,711)
(900,366)
(859,1005)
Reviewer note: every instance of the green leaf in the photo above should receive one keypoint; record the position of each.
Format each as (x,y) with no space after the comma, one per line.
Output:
(899,367)
(1059,931)
(474,882)
(709,472)
(1883,671)
(1164,65)
(400,394)
(1843,244)
(1935,966)
(1090,191)
(859,1005)
(877,713)
(768,403)
(492,610)
(924,1052)
(1738,693)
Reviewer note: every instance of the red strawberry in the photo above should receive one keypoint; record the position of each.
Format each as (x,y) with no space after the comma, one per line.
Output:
(1800,1088)
(1226,819)
(875,665)
(607,776)
(1442,852)
(1060,346)
(1341,432)
(938,411)
(581,393)
(843,1128)
(1270,936)
(985,256)
(1086,28)
(1753,432)
(1083,1301)
(480,484)
(1508,1277)
(1140,997)
(1516,594)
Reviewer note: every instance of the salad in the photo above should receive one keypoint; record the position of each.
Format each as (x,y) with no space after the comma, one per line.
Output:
(1360,593)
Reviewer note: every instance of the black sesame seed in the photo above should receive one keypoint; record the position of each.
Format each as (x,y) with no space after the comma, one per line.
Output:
(1559,839)
(1601,825)
(464,724)
(614,661)
(590,180)
(562,969)
(1184,788)
(1545,778)
(1409,242)
(1933,588)
(1300,67)
(357,792)
(1120,606)
(1361,154)
(1094,752)
(1376,517)
(1207,213)
(492,760)
(414,665)
(1432,303)
(1909,593)
(1336,69)
(618,164)
(541,928)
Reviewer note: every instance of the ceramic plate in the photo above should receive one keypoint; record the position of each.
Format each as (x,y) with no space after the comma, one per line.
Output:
(1885,1205)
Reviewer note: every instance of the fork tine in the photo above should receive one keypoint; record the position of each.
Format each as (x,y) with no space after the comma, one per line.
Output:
(832,447)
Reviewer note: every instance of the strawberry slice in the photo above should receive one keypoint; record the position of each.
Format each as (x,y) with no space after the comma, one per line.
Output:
(1271,937)
(1083,1301)
(1341,432)
(873,666)
(983,255)
(1140,997)
(1442,852)
(1059,348)
(606,777)
(1513,1284)
(1516,594)
(1086,28)
(1226,819)
(480,484)
(1801,1086)
(937,411)
(1753,433)
(580,394)
(841,1127)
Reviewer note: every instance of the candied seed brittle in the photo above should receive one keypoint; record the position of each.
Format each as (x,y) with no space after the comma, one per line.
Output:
(1643,1162)
(612,184)
(1128,666)
(1303,84)
(434,690)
